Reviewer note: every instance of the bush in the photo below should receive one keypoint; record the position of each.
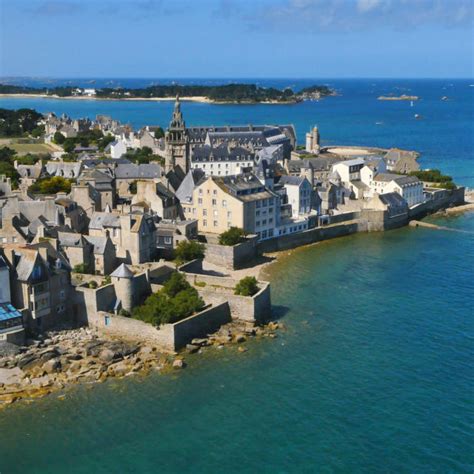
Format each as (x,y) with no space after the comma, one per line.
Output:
(175,301)
(93,284)
(80,268)
(51,185)
(233,236)
(247,286)
(59,138)
(187,250)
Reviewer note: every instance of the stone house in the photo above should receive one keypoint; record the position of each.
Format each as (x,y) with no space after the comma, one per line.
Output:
(116,149)
(401,161)
(156,198)
(409,188)
(40,284)
(170,233)
(299,194)
(234,201)
(65,169)
(133,235)
(103,184)
(127,174)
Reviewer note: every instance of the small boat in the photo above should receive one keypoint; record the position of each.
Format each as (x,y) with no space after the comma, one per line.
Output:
(411,103)
(378,123)
(445,97)
(417,116)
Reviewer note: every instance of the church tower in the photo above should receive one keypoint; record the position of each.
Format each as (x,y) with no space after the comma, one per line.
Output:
(176,142)
(312,141)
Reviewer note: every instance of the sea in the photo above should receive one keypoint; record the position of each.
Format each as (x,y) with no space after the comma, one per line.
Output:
(373,370)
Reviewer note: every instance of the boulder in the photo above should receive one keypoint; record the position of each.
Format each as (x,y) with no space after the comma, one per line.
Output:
(191,348)
(240,338)
(52,365)
(107,355)
(199,342)
(179,364)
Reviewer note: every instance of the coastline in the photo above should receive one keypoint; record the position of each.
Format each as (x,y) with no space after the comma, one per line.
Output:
(199,99)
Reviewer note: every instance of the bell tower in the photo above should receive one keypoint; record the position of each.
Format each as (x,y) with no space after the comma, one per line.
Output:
(176,141)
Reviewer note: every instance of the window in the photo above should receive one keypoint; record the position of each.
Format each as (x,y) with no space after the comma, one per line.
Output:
(215,223)
(214,192)
(229,214)
(224,203)
(62,295)
(199,200)
(200,192)
(204,212)
(168,240)
(257,223)
(215,213)
(214,202)
(204,223)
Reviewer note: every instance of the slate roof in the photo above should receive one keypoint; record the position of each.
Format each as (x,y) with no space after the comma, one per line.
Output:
(140,171)
(221,152)
(292,180)
(393,200)
(123,271)
(71,239)
(29,171)
(99,243)
(99,220)
(401,180)
(245,187)
(192,179)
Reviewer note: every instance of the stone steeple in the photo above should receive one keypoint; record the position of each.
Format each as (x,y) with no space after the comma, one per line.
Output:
(176,141)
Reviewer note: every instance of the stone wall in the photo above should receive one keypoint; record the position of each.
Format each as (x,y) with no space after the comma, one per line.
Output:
(169,337)
(232,257)
(442,200)
(286,242)
(217,290)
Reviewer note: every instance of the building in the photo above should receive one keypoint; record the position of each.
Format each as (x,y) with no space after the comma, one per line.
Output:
(133,235)
(40,284)
(409,188)
(155,198)
(234,201)
(170,233)
(127,175)
(116,149)
(312,141)
(401,161)
(176,142)
(102,181)
(223,160)
(11,320)
(299,194)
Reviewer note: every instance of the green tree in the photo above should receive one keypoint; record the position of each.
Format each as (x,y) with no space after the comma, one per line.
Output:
(69,145)
(247,286)
(53,185)
(187,250)
(233,236)
(59,138)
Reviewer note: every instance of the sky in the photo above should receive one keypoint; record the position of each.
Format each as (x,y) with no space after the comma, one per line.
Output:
(237,38)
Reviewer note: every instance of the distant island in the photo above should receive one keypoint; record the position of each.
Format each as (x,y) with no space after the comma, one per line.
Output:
(400,97)
(229,93)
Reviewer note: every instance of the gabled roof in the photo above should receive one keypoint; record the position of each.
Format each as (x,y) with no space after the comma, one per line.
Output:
(71,239)
(393,199)
(192,179)
(292,180)
(141,171)
(99,243)
(123,271)
(99,220)
(401,180)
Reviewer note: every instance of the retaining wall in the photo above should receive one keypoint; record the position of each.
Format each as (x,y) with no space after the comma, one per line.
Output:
(232,257)
(169,337)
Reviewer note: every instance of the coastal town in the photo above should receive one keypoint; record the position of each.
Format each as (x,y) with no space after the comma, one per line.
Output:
(122,250)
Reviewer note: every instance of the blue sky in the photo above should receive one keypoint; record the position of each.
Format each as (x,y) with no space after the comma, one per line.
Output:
(237,38)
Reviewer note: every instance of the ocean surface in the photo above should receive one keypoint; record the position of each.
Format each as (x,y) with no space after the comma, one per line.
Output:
(374,371)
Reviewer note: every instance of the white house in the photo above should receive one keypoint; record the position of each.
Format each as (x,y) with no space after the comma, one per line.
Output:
(299,191)
(116,149)
(409,187)
(349,170)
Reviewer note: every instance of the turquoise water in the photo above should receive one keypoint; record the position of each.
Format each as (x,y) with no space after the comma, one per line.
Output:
(373,373)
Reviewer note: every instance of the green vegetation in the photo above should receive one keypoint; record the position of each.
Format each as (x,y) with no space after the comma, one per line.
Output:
(18,123)
(7,158)
(435,176)
(53,185)
(247,286)
(188,250)
(93,284)
(59,138)
(81,268)
(219,93)
(233,236)
(175,301)
(143,155)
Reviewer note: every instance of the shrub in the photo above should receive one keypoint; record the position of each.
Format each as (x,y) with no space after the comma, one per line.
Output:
(247,286)
(59,138)
(187,250)
(175,301)
(233,236)
(93,284)
(51,185)
(80,268)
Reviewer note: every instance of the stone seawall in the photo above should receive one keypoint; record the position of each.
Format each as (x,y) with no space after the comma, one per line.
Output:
(286,242)
(232,257)
(169,337)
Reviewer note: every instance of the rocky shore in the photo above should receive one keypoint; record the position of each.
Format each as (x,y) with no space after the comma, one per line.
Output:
(63,358)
